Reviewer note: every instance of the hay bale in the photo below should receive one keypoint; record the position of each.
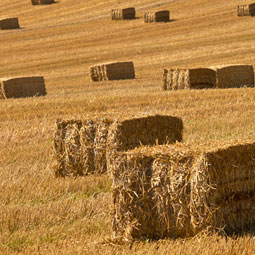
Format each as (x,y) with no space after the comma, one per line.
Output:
(9,23)
(223,189)
(178,191)
(22,87)
(41,2)
(160,16)
(246,10)
(196,78)
(80,147)
(126,13)
(113,71)
(235,76)
(129,134)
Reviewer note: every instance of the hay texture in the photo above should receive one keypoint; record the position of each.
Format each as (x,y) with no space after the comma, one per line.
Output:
(87,147)
(41,2)
(22,87)
(246,10)
(178,191)
(128,134)
(113,71)
(196,78)
(127,13)
(80,147)
(9,23)
(160,16)
(235,76)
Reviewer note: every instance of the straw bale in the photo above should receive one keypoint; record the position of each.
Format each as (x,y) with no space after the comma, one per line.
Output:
(222,189)
(40,2)
(100,145)
(188,189)
(235,76)
(160,16)
(113,71)
(126,13)
(129,134)
(22,87)
(246,10)
(196,78)
(9,23)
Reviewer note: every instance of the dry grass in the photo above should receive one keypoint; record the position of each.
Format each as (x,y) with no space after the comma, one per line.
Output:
(43,215)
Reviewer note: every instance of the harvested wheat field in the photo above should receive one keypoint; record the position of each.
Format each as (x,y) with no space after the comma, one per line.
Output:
(41,214)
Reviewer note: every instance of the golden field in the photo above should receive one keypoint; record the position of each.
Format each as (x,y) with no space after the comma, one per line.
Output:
(43,215)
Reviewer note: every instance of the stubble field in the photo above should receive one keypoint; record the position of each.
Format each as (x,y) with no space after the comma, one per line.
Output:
(43,215)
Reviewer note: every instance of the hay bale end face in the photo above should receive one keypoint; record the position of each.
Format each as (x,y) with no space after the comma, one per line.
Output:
(235,76)
(160,16)
(120,14)
(22,87)
(41,2)
(196,78)
(113,71)
(246,10)
(9,23)
(188,189)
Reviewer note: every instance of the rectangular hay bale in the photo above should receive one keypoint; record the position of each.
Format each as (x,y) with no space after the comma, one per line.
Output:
(159,16)
(126,13)
(113,71)
(41,2)
(235,76)
(246,10)
(178,191)
(22,87)
(9,23)
(195,78)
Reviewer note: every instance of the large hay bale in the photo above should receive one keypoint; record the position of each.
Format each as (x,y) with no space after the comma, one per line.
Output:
(129,134)
(81,146)
(9,23)
(246,10)
(177,191)
(196,78)
(113,71)
(22,87)
(40,2)
(160,16)
(126,13)
(235,76)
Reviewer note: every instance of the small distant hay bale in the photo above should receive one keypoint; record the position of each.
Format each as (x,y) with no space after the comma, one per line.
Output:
(41,2)
(160,16)
(113,71)
(235,76)
(9,23)
(127,13)
(246,10)
(196,78)
(178,191)
(22,87)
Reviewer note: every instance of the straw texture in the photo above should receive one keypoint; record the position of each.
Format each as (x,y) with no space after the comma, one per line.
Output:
(188,189)
(39,2)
